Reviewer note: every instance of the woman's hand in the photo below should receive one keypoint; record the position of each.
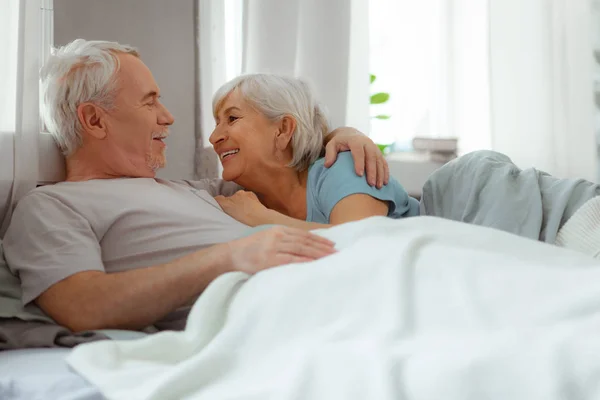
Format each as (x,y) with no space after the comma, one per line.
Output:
(245,207)
(364,152)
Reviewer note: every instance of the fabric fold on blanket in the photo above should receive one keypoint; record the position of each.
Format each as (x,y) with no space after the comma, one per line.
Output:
(418,308)
(18,334)
(486,188)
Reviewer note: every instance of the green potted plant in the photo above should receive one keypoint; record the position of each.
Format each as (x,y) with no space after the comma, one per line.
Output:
(379,98)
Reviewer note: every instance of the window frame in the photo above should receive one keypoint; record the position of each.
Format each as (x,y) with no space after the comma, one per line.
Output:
(51,167)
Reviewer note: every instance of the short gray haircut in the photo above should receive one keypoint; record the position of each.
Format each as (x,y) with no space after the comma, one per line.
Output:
(80,72)
(276,96)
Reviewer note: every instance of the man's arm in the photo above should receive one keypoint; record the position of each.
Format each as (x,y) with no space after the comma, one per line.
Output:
(132,299)
(139,298)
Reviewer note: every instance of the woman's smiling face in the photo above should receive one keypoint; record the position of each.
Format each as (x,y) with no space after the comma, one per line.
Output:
(243,138)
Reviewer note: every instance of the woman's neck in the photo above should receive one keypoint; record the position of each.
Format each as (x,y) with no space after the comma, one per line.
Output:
(282,190)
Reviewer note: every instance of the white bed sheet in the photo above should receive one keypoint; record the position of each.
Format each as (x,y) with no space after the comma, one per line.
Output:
(41,374)
(32,374)
(413,309)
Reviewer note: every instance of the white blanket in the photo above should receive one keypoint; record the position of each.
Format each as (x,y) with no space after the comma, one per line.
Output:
(421,308)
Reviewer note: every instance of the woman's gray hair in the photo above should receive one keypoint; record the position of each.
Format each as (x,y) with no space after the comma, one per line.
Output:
(82,71)
(276,96)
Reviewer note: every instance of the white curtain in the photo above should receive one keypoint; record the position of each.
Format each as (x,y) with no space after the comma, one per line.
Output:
(541,85)
(19,102)
(516,76)
(510,75)
(219,43)
(324,42)
(462,104)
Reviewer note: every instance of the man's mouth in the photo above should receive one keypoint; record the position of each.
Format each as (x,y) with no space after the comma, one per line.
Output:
(159,138)
(227,154)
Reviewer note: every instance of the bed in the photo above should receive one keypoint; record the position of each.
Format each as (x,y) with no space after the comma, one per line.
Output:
(413,309)
(41,374)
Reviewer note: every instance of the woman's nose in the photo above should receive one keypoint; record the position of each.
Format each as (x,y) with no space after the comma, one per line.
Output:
(216,136)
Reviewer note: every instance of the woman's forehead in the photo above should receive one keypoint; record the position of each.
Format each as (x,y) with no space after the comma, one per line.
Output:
(233,99)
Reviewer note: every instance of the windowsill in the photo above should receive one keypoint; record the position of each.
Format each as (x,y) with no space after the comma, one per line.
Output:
(412,169)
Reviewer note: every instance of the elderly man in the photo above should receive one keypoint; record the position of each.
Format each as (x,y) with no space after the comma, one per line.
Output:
(113,246)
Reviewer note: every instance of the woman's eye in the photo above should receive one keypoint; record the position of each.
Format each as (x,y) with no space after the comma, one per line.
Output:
(232,118)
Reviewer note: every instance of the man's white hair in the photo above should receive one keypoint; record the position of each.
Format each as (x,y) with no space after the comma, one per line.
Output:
(80,72)
(276,96)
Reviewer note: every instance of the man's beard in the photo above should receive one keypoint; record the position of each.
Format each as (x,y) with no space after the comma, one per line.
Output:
(156,162)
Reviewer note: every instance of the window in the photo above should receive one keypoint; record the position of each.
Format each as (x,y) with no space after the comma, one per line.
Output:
(51,162)
(9,21)
(233,15)
(406,58)
(432,57)
(47,40)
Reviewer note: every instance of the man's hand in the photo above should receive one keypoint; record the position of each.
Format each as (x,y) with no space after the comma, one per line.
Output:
(364,152)
(245,207)
(277,246)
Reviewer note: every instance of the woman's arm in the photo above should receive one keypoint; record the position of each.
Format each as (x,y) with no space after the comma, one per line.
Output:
(277,218)
(246,208)
(351,208)
(356,207)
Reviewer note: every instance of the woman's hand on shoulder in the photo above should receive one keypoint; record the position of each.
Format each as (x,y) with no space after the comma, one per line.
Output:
(245,207)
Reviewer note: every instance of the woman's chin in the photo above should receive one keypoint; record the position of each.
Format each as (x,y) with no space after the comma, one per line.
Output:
(229,175)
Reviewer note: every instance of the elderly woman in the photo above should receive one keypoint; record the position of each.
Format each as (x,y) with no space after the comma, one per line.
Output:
(268,135)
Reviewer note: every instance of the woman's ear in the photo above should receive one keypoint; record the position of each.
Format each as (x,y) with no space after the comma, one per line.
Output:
(286,129)
(91,118)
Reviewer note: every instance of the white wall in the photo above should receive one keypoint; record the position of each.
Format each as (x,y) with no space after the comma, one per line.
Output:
(164,32)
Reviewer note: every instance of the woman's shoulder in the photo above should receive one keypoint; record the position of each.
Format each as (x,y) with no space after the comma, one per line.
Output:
(343,164)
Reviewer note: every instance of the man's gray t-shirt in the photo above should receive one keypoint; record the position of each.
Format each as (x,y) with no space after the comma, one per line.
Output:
(114,225)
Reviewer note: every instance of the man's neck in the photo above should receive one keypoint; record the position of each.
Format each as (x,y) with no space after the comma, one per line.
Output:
(86,165)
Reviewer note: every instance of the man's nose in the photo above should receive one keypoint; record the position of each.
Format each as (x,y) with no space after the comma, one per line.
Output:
(165,117)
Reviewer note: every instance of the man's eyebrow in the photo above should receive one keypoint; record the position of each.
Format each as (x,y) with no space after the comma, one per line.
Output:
(150,94)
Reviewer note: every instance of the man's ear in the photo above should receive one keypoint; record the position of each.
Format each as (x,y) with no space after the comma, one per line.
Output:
(286,129)
(92,120)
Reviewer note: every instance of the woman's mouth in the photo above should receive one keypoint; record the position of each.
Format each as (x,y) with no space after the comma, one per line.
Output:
(226,155)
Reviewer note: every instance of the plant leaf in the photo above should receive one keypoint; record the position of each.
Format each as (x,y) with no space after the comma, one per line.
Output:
(380,98)
(373,77)
(383,147)
(382,117)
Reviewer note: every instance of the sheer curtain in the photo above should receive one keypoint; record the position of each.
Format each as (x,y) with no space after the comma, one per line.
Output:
(9,31)
(541,80)
(19,102)
(431,56)
(324,42)
(219,42)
